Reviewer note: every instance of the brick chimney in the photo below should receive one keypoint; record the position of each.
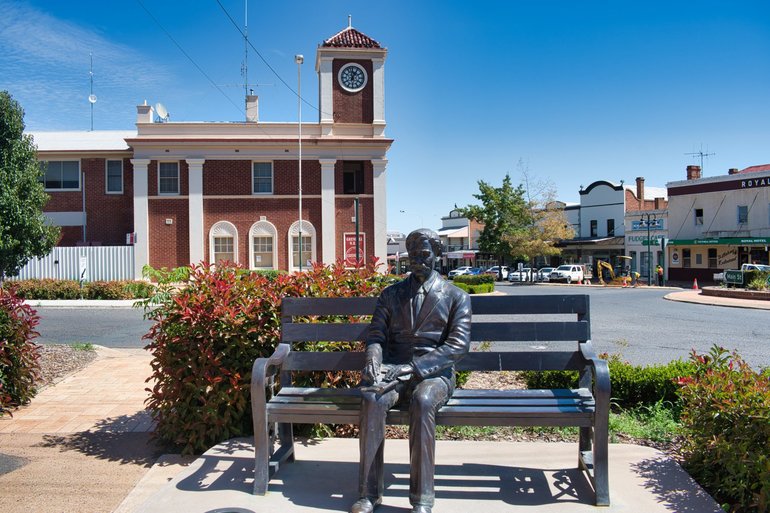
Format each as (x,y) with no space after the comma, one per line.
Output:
(640,188)
(252,108)
(693,172)
(732,171)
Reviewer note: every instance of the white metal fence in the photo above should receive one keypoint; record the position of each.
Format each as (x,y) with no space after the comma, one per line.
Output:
(107,263)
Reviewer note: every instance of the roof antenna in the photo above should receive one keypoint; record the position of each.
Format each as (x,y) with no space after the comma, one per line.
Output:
(702,154)
(350,21)
(92,96)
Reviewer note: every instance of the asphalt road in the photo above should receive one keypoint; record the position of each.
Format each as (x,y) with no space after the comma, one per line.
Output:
(637,323)
(645,328)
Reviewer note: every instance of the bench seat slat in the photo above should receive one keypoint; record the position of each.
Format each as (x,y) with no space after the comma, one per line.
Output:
(346,401)
(460,393)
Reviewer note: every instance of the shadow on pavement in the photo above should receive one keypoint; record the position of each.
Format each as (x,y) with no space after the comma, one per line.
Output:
(674,487)
(111,439)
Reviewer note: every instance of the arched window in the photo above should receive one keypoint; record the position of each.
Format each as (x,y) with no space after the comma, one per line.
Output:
(223,243)
(307,253)
(263,250)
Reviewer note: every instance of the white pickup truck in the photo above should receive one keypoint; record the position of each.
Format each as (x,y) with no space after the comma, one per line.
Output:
(720,277)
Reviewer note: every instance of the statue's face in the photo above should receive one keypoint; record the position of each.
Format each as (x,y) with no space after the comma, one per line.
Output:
(422,259)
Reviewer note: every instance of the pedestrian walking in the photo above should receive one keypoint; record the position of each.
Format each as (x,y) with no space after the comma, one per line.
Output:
(659,271)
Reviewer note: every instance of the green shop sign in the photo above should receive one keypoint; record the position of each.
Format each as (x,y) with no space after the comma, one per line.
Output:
(725,241)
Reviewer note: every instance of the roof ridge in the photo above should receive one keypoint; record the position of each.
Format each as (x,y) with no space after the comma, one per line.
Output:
(350,37)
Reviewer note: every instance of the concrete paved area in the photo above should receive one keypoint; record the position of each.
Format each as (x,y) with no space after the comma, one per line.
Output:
(470,476)
(695,296)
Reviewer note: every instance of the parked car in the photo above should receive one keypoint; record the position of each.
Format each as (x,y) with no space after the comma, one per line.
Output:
(568,273)
(544,274)
(459,271)
(524,275)
(495,269)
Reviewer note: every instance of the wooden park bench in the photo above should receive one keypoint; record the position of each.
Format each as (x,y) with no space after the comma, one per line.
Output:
(276,407)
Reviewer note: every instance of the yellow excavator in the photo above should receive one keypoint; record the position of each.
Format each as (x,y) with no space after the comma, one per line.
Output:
(601,264)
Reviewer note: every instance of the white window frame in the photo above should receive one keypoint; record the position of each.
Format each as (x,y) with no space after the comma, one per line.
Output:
(63,189)
(223,229)
(178,179)
(307,230)
(272,178)
(263,228)
(107,176)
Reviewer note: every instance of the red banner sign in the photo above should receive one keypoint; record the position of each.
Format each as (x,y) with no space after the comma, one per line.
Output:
(349,248)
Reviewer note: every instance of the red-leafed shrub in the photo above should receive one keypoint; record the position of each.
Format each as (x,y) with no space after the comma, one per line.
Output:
(208,334)
(19,365)
(726,427)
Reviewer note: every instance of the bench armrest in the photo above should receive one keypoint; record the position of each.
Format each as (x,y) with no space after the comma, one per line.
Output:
(601,374)
(263,374)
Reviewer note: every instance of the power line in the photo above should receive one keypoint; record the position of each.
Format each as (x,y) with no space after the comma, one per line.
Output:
(188,56)
(263,59)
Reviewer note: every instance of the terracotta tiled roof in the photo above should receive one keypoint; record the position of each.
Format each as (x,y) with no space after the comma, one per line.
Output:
(755,169)
(351,38)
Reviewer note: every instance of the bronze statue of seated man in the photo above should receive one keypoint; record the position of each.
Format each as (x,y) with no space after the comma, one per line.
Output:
(420,328)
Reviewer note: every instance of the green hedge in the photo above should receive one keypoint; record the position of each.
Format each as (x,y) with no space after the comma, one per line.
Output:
(726,430)
(70,289)
(483,288)
(632,385)
(475,279)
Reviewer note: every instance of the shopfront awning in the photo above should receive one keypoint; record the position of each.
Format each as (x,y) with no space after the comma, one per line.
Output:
(454,233)
(465,253)
(722,241)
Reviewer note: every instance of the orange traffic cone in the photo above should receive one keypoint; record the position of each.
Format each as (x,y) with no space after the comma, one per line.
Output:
(695,284)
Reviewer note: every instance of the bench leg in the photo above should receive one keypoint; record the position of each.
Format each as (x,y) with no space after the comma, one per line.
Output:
(286,437)
(262,450)
(601,462)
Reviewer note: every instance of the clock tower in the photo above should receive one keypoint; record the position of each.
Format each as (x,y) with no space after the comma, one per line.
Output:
(351,70)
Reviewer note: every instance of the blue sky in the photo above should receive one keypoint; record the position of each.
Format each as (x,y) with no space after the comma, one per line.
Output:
(578,91)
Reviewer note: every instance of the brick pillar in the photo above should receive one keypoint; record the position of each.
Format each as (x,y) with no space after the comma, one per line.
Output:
(195,209)
(141,216)
(328,219)
(380,213)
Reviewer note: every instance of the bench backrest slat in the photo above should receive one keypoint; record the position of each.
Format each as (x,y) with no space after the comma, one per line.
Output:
(480,331)
(513,360)
(481,305)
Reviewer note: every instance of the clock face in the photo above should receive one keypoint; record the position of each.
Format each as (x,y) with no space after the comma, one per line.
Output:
(352,77)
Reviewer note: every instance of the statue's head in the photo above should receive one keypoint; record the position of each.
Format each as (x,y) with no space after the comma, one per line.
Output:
(424,248)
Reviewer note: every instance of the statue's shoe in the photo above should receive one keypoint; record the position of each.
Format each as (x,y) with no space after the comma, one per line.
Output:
(421,509)
(365,505)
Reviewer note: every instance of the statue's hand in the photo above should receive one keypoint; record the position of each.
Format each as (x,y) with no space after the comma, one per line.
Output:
(371,372)
(398,371)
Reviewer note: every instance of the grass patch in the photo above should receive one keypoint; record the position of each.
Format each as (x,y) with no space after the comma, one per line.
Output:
(82,346)
(657,423)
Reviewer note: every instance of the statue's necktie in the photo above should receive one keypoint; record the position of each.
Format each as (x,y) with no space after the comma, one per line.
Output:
(417,303)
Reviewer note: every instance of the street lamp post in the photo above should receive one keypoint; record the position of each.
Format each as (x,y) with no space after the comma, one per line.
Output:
(299,59)
(648,223)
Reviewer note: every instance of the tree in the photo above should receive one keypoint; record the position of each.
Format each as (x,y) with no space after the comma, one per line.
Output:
(504,214)
(519,222)
(548,223)
(24,233)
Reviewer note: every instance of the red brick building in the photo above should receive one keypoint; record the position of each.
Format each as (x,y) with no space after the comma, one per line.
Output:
(185,192)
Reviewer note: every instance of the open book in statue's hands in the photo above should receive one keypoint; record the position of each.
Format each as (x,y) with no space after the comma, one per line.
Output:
(386,380)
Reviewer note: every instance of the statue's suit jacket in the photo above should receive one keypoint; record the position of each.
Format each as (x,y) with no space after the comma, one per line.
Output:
(432,342)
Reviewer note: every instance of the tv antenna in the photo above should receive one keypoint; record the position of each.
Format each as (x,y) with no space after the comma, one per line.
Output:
(162,113)
(701,154)
(92,96)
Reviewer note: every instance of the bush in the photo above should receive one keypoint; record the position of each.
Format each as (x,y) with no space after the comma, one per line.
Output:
(19,356)
(46,289)
(632,385)
(483,288)
(726,426)
(70,289)
(475,279)
(756,280)
(208,334)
